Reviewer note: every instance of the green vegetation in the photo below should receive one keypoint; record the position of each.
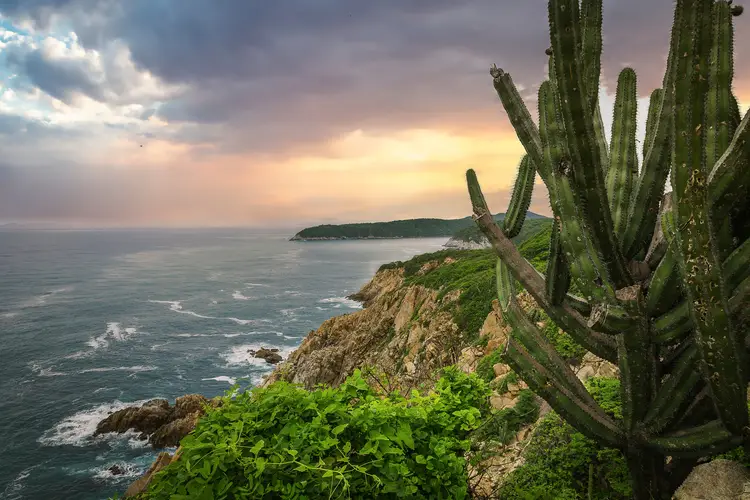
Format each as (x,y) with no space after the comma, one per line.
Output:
(502,425)
(472,234)
(349,442)
(411,228)
(559,461)
(484,367)
(655,283)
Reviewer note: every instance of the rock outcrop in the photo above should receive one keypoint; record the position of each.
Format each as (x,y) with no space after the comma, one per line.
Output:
(716,480)
(270,355)
(163,425)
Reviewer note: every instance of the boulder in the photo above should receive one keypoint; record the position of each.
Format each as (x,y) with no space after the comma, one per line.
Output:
(716,480)
(145,419)
(270,355)
(116,470)
(163,425)
(171,434)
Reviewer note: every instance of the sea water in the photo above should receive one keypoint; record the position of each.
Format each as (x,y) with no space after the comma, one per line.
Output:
(94,321)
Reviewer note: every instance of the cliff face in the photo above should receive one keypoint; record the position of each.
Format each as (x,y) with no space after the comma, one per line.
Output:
(406,332)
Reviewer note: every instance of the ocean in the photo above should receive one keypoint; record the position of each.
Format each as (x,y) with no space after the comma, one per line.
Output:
(93,321)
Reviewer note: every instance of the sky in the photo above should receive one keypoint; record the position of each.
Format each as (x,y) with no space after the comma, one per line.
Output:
(282,113)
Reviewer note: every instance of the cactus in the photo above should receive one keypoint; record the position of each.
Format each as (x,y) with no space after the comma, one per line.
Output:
(664,277)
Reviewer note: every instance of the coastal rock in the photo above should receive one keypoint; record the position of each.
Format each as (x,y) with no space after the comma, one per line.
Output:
(163,425)
(171,434)
(270,355)
(716,480)
(116,470)
(406,332)
(146,419)
(140,485)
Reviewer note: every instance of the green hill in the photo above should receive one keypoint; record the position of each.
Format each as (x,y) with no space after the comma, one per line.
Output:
(411,228)
(473,236)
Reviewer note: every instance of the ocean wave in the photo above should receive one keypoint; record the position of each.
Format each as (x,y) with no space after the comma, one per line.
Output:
(133,369)
(341,301)
(39,371)
(13,489)
(237,295)
(78,429)
(176,306)
(41,299)
(128,471)
(256,284)
(114,332)
(239,355)
(223,378)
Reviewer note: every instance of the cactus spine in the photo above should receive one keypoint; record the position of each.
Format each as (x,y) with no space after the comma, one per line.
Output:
(664,278)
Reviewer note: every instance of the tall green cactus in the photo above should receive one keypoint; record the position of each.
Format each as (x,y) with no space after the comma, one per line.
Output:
(664,277)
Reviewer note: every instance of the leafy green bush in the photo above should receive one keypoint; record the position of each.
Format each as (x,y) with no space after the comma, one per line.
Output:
(347,442)
(558,458)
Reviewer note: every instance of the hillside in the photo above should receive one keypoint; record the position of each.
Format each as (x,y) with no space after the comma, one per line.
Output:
(410,228)
(471,238)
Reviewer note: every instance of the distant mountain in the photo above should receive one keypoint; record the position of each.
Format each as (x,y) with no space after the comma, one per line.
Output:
(411,228)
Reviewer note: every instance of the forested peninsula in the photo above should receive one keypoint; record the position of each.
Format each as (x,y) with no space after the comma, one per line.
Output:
(410,228)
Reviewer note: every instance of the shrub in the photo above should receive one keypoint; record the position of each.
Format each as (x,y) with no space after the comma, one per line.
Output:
(347,442)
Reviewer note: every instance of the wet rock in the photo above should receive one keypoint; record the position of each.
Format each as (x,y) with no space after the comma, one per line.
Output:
(116,470)
(172,433)
(270,355)
(145,419)
(163,425)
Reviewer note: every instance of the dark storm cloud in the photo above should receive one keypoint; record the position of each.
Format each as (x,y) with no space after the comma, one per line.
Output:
(286,72)
(60,78)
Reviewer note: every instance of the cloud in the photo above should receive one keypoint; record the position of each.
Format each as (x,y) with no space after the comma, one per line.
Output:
(255,107)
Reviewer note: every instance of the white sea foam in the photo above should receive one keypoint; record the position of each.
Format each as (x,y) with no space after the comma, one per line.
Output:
(129,471)
(237,295)
(78,429)
(256,284)
(223,378)
(133,369)
(115,332)
(239,355)
(40,300)
(342,301)
(13,489)
(176,306)
(39,371)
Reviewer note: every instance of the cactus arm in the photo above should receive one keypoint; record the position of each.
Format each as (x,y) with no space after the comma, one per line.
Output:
(675,392)
(664,287)
(708,439)
(719,100)
(520,118)
(650,185)
(737,266)
(672,326)
(719,108)
(558,274)
(581,256)
(520,199)
(564,315)
(636,357)
(698,259)
(590,421)
(654,103)
(729,175)
(623,167)
(585,160)
(735,116)
(530,337)
(591,54)
(659,242)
